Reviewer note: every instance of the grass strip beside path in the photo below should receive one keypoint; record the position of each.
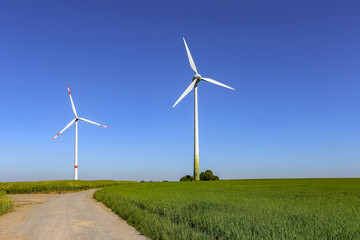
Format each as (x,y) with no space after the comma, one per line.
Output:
(5,203)
(56,186)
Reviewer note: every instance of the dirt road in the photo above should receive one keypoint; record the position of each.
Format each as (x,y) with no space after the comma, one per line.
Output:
(63,216)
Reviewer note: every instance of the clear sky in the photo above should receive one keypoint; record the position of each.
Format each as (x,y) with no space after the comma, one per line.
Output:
(294,65)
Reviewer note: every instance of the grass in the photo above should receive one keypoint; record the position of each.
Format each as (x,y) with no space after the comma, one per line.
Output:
(5,203)
(240,209)
(56,186)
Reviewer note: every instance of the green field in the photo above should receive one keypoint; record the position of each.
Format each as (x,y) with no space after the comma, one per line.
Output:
(240,209)
(56,186)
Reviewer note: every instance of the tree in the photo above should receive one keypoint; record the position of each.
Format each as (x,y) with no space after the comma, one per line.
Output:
(208,176)
(187,178)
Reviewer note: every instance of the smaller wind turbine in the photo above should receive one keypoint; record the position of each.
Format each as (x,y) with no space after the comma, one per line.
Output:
(195,80)
(75,120)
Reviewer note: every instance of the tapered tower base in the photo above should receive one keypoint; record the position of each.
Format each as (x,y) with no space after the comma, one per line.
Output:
(196,168)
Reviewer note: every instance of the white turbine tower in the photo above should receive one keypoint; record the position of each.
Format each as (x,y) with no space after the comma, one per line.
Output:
(75,120)
(196,79)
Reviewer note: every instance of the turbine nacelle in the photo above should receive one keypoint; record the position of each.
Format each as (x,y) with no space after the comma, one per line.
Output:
(197,77)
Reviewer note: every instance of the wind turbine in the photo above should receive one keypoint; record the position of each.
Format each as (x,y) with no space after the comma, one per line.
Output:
(195,80)
(75,120)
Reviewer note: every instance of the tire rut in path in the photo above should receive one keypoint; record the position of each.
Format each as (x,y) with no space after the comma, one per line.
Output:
(63,216)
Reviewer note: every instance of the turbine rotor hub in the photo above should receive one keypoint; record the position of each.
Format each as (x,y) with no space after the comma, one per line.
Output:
(197,77)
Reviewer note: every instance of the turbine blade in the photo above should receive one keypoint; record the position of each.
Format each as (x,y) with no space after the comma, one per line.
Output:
(85,120)
(216,82)
(191,61)
(67,126)
(72,102)
(190,87)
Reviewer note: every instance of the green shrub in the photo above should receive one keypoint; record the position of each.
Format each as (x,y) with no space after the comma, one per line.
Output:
(187,178)
(208,176)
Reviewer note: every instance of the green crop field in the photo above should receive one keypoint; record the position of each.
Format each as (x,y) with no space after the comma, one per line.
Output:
(56,186)
(240,209)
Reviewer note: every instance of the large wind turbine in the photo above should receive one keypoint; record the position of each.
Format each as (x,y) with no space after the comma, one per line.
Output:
(75,120)
(195,80)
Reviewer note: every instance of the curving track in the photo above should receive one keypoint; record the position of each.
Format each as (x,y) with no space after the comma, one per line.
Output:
(63,216)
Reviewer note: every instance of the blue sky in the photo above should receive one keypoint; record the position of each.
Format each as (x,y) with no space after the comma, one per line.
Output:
(294,65)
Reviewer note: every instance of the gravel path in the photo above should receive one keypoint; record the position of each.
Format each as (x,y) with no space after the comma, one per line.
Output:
(63,216)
